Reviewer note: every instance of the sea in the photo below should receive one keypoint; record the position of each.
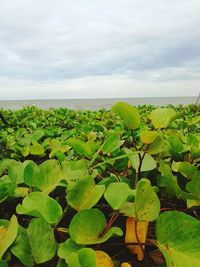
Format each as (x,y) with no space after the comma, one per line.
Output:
(95,104)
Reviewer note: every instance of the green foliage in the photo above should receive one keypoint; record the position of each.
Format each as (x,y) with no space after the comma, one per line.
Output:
(38,204)
(178,239)
(111,143)
(72,176)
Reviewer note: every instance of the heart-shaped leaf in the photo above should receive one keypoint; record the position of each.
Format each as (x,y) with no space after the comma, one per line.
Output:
(40,205)
(87,226)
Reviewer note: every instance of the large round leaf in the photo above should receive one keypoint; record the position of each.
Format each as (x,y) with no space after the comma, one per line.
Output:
(128,113)
(39,204)
(87,226)
(161,117)
(178,238)
(85,194)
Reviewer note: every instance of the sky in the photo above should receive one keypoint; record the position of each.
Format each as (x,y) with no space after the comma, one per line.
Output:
(62,49)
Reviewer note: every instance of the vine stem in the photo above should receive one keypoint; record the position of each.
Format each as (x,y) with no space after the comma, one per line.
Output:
(141,158)
(109,224)
(138,240)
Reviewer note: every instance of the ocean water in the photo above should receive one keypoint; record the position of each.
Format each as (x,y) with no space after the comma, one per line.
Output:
(95,104)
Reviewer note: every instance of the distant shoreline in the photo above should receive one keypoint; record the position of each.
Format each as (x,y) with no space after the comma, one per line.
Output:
(95,104)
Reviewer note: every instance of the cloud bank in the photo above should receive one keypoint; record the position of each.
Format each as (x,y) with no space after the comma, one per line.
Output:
(99,48)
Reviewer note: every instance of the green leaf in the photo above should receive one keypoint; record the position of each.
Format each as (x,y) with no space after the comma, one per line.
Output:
(148,137)
(21,248)
(128,210)
(8,234)
(86,149)
(178,238)
(74,170)
(62,263)
(49,176)
(111,143)
(65,249)
(37,149)
(87,225)
(147,203)
(30,172)
(162,117)
(128,113)
(7,188)
(41,240)
(3,263)
(73,260)
(194,186)
(148,162)
(185,168)
(87,257)
(158,146)
(38,134)
(85,194)
(169,181)
(114,196)
(175,146)
(40,205)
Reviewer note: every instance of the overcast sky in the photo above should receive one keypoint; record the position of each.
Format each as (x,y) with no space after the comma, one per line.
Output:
(99,48)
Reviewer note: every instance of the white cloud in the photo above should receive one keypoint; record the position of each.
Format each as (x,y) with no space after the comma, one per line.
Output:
(98,48)
(111,86)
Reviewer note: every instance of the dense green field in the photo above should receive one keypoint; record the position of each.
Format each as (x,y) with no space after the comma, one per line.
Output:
(124,181)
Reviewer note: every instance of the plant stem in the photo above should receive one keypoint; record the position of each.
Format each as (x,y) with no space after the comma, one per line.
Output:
(109,224)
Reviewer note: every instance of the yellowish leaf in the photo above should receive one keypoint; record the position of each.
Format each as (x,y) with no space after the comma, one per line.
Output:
(136,231)
(103,259)
(125,264)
